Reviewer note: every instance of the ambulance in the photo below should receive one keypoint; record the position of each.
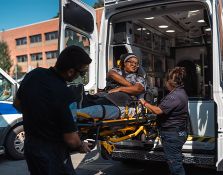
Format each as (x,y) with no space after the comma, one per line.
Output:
(11,130)
(163,34)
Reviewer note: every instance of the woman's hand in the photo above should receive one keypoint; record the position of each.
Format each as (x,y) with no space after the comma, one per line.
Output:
(152,108)
(142,101)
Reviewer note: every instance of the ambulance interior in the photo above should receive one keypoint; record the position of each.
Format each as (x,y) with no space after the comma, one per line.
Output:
(163,37)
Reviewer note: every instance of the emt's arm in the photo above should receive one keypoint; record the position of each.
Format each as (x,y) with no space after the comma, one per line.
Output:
(132,90)
(17,104)
(73,141)
(152,108)
(118,78)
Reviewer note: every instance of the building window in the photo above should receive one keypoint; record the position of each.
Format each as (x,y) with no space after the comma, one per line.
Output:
(36,56)
(51,54)
(51,35)
(35,38)
(21,58)
(21,41)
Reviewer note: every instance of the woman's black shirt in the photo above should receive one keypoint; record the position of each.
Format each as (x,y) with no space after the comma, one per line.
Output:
(175,109)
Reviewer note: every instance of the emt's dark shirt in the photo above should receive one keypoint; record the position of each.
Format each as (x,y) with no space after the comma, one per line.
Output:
(46,105)
(175,109)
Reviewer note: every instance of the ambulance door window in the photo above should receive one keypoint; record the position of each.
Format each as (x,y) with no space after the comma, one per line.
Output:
(74,38)
(5,89)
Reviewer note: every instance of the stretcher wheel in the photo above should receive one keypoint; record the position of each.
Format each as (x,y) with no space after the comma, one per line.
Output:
(148,142)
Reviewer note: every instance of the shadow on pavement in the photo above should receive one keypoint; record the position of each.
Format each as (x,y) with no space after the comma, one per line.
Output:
(93,164)
(12,167)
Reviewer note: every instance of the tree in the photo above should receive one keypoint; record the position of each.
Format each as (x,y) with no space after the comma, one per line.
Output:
(5,60)
(57,15)
(99,3)
(17,72)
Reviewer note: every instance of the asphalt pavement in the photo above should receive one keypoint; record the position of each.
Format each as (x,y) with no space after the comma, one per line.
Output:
(93,164)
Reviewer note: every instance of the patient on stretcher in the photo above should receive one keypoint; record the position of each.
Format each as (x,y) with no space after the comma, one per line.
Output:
(107,107)
(125,83)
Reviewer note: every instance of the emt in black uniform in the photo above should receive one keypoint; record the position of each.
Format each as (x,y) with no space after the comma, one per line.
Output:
(49,114)
(172,119)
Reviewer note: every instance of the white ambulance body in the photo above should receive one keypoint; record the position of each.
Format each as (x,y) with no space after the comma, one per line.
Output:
(11,129)
(163,34)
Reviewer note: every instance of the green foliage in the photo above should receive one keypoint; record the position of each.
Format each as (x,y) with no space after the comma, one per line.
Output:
(18,68)
(57,15)
(17,72)
(5,60)
(99,3)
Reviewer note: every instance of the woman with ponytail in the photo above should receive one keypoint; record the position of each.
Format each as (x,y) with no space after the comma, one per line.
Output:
(172,117)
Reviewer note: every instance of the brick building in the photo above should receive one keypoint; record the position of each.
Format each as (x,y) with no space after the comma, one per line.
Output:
(35,45)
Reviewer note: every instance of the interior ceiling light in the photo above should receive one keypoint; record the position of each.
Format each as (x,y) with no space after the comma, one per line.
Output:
(170,31)
(141,29)
(149,17)
(201,21)
(208,29)
(194,11)
(163,26)
(147,33)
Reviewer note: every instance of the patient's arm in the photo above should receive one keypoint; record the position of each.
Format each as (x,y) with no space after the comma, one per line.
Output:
(132,90)
(118,78)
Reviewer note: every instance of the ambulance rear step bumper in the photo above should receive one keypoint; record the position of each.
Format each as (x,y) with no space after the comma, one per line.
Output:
(188,158)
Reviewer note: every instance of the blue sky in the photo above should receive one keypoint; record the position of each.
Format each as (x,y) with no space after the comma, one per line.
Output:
(17,13)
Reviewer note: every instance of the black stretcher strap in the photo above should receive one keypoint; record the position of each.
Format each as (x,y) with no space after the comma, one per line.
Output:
(103,112)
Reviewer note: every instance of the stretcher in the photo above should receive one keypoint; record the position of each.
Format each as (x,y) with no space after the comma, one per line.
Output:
(116,128)
(140,127)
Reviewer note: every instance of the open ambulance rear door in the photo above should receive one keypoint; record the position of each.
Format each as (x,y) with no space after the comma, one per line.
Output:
(78,27)
(217,8)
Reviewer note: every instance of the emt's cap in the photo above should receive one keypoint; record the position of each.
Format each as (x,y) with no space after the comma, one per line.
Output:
(129,55)
(72,57)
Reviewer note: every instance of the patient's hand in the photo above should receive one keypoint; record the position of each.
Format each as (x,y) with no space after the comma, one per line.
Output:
(114,90)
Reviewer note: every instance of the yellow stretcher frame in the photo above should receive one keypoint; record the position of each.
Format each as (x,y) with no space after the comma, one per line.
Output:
(130,127)
(125,128)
